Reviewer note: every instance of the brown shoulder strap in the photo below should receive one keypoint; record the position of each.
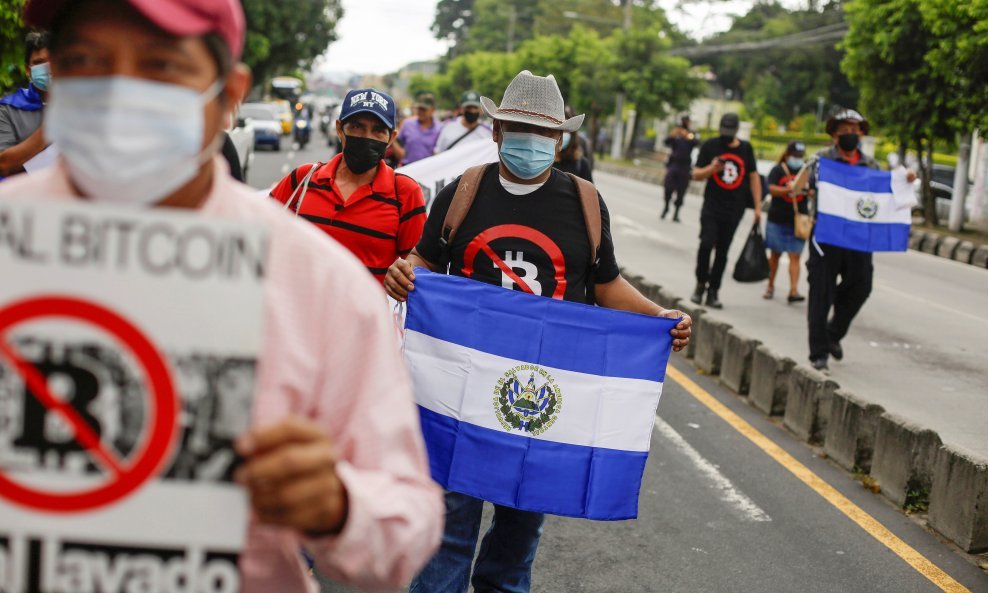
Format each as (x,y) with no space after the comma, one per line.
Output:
(591,213)
(466,191)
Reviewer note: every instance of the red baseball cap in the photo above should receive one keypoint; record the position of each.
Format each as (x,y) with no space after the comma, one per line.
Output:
(182,18)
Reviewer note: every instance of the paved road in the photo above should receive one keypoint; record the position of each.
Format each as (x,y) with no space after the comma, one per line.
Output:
(918,347)
(717,513)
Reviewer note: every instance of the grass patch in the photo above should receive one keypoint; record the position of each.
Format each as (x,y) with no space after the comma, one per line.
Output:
(917,499)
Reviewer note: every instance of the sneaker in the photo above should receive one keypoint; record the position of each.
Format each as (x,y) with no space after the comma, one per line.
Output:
(836,351)
(675,216)
(712,301)
(795,298)
(698,294)
(820,364)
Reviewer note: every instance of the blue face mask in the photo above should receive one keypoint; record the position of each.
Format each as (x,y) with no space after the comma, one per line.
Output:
(40,76)
(794,163)
(527,155)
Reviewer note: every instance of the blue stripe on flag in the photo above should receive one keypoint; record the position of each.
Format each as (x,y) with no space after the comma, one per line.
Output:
(538,330)
(860,179)
(532,474)
(861,236)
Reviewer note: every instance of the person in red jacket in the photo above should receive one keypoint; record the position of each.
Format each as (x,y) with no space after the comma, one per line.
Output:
(356,198)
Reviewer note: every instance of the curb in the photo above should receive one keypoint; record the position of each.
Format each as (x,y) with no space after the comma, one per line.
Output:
(908,462)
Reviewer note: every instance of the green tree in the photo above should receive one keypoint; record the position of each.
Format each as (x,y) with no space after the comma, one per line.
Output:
(453,20)
(500,25)
(12,33)
(901,90)
(805,71)
(654,81)
(283,37)
(961,54)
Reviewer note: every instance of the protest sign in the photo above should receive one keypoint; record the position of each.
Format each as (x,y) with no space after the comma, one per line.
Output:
(129,343)
(435,172)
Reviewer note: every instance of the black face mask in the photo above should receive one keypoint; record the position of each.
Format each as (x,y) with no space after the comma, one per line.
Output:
(726,139)
(471,116)
(363,154)
(848,142)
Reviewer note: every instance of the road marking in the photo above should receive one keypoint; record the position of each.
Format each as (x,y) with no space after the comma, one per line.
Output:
(855,513)
(738,500)
(929,303)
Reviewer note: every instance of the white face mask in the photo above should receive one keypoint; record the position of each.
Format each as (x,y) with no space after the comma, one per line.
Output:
(127,140)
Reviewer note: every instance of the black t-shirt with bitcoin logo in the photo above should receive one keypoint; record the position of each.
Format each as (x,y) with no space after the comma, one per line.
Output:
(728,191)
(535,243)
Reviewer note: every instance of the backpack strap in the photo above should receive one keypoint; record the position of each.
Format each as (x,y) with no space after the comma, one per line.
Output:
(301,187)
(466,191)
(591,215)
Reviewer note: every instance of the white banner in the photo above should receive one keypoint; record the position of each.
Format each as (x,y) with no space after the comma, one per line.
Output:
(129,342)
(435,172)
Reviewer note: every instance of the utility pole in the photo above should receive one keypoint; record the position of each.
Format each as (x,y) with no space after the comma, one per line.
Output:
(617,144)
(956,220)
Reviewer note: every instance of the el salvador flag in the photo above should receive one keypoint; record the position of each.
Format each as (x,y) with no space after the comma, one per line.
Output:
(863,209)
(534,403)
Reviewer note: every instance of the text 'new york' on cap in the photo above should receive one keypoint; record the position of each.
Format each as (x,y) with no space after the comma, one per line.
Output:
(182,18)
(371,101)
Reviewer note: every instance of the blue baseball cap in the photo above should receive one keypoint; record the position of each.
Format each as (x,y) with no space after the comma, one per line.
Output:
(372,101)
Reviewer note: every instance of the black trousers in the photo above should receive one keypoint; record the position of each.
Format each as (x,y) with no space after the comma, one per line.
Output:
(855,270)
(716,234)
(676,182)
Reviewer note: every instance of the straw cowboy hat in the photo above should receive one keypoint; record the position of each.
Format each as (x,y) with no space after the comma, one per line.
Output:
(533,100)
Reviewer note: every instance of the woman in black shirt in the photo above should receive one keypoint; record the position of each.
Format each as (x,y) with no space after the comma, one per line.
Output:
(779,236)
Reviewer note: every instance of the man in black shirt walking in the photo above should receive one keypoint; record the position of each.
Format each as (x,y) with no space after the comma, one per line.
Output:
(681,142)
(728,165)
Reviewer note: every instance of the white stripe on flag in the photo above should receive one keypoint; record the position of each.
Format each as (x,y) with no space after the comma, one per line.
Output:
(840,201)
(595,411)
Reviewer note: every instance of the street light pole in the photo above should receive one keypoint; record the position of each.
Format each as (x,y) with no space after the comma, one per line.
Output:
(617,145)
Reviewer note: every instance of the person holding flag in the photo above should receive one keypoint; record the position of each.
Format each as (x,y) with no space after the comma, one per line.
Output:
(848,229)
(525,226)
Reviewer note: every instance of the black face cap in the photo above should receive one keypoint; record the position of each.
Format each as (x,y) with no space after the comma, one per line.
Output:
(729,124)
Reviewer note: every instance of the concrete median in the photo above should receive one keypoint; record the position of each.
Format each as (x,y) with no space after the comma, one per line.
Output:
(710,344)
(808,404)
(904,460)
(959,499)
(735,366)
(770,381)
(850,437)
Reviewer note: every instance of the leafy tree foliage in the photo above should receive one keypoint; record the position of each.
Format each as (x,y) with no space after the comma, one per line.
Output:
(12,34)
(796,76)
(283,37)
(910,98)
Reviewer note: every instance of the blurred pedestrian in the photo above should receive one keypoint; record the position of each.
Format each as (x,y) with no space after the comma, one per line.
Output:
(21,133)
(356,198)
(466,128)
(570,157)
(780,229)
(335,460)
(417,136)
(728,165)
(681,142)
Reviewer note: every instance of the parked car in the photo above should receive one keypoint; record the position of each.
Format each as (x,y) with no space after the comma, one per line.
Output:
(942,184)
(243,136)
(266,122)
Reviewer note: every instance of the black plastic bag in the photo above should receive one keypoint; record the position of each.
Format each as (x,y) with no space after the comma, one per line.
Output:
(752,266)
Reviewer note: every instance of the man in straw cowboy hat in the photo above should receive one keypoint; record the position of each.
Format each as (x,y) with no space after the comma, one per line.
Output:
(525,226)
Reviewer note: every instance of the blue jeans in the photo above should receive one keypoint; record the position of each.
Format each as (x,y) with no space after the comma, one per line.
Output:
(504,563)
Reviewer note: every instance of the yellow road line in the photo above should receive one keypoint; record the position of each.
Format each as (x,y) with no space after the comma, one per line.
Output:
(878,531)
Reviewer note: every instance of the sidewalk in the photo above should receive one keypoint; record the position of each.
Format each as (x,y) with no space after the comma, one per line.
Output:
(909,404)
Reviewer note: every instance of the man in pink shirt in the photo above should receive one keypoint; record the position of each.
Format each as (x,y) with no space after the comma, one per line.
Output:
(334,463)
